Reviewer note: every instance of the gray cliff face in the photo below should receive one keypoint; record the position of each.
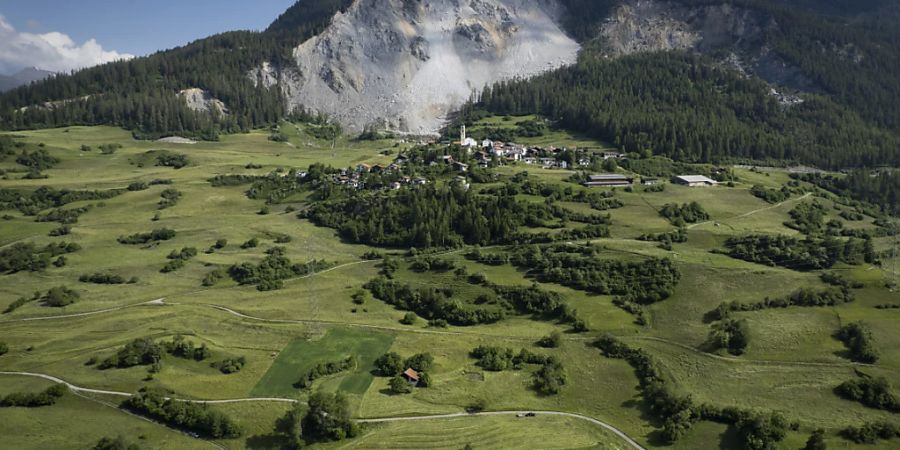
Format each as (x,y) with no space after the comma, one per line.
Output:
(405,64)
(655,25)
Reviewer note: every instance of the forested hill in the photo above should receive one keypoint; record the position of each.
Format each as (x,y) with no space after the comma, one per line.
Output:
(140,94)
(695,108)
(685,103)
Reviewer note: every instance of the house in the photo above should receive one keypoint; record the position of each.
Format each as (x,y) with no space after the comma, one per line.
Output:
(363,168)
(694,181)
(610,155)
(608,180)
(447,159)
(377,168)
(487,143)
(411,376)
(395,185)
(649,181)
(401,159)
(563,164)
(460,167)
(419,181)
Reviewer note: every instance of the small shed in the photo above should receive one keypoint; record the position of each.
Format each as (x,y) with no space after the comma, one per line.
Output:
(411,376)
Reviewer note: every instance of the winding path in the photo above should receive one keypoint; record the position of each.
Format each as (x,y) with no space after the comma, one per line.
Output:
(79,389)
(592,420)
(83,390)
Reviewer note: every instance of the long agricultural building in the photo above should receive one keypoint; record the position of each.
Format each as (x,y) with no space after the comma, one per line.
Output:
(694,180)
(608,180)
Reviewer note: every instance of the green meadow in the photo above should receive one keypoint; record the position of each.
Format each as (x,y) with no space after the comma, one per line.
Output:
(791,365)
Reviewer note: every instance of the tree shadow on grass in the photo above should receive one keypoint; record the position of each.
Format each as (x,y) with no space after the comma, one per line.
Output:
(273,441)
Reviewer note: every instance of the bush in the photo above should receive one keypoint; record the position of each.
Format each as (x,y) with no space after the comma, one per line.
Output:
(857,337)
(730,334)
(686,213)
(872,392)
(190,416)
(399,385)
(230,365)
(409,319)
(139,352)
(214,277)
(872,432)
(160,234)
(328,418)
(169,159)
(119,443)
(550,378)
(102,278)
(324,369)
(389,364)
(252,243)
(29,400)
(4,348)
(60,296)
(551,341)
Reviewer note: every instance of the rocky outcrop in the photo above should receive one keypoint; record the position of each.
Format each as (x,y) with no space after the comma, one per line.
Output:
(655,25)
(406,63)
(200,100)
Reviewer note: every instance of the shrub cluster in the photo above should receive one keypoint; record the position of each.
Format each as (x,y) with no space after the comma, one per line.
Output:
(809,254)
(214,277)
(583,268)
(678,413)
(683,214)
(102,278)
(177,259)
(230,365)
(31,400)
(807,218)
(183,348)
(190,416)
(730,334)
(46,197)
(37,160)
(169,198)
(21,301)
(324,369)
(771,195)
(271,272)
(857,337)
(63,216)
(161,234)
(26,256)
(139,352)
(872,432)
(60,296)
(168,159)
(548,379)
(806,297)
(872,392)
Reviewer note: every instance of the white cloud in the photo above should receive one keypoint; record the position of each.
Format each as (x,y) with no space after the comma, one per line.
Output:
(53,51)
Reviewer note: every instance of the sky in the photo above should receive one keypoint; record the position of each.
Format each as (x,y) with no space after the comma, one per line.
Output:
(61,35)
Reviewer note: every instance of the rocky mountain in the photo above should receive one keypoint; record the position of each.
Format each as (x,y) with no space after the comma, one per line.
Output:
(404,65)
(23,77)
(408,65)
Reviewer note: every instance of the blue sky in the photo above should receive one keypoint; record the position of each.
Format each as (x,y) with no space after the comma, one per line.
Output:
(34,32)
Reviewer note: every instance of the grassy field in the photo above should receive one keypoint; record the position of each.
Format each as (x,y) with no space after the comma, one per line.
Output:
(791,365)
(337,344)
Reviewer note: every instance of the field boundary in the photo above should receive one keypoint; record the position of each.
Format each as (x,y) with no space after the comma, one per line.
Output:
(604,425)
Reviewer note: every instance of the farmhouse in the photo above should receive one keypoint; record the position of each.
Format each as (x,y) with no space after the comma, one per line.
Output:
(608,180)
(411,376)
(694,180)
